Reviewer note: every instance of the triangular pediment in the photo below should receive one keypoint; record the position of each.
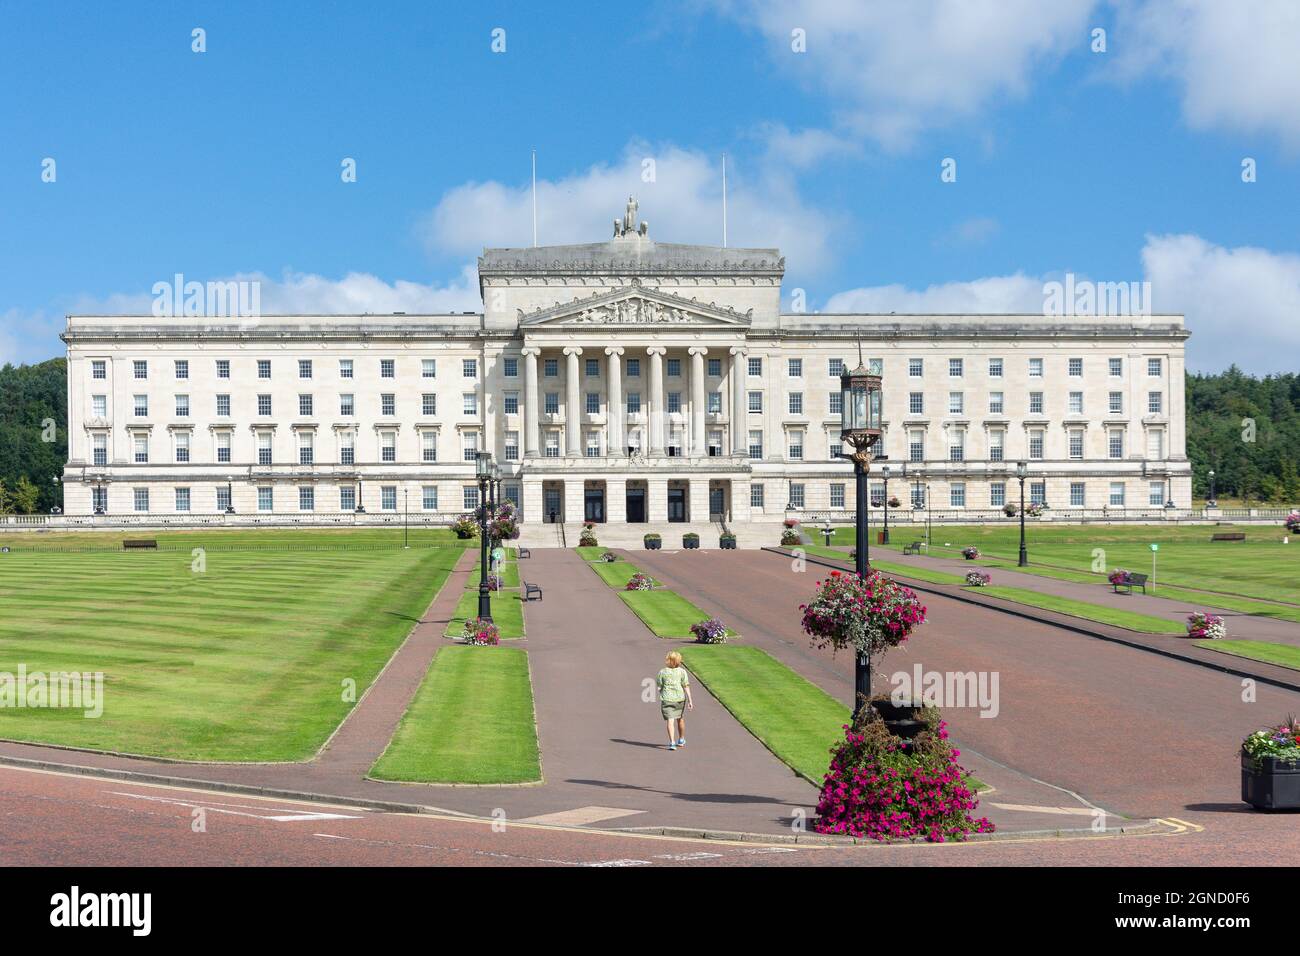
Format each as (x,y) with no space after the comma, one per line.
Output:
(636,305)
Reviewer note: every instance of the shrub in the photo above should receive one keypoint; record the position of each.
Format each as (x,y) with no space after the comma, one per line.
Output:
(481,633)
(650,537)
(1119,576)
(691,535)
(711,631)
(587,539)
(1203,624)
(978,579)
(639,581)
(880,789)
(970,553)
(790,537)
(727,537)
(465,527)
(868,615)
(1282,741)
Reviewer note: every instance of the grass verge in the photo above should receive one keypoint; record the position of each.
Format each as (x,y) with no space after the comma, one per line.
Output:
(666,613)
(1284,655)
(507,613)
(1144,623)
(509,574)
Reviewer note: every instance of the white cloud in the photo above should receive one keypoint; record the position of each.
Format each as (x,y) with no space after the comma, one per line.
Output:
(896,68)
(1242,304)
(682,203)
(29,336)
(1013,293)
(1236,63)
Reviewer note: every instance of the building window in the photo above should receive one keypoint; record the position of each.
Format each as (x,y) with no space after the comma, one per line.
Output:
(1076,494)
(674,402)
(955,368)
(1155,367)
(306,448)
(551,403)
(264,404)
(511,403)
(182,447)
(304,368)
(512,446)
(1117,493)
(997,494)
(957,494)
(388,403)
(674,368)
(1035,403)
(347,405)
(141,499)
(957,447)
(592,367)
(223,406)
(593,403)
(1076,403)
(345,368)
(551,367)
(1076,443)
(1155,493)
(1075,367)
(101,449)
(306,498)
(141,449)
(182,368)
(915,368)
(755,366)
(956,403)
(468,446)
(633,402)
(263,368)
(995,368)
(996,403)
(98,369)
(388,497)
(1038,493)
(387,368)
(140,369)
(755,444)
(633,368)
(264,448)
(1036,443)
(593,444)
(388,446)
(223,448)
(99,499)
(469,497)
(1155,402)
(223,498)
(837,495)
(755,401)
(182,406)
(510,367)
(918,496)
(794,444)
(915,403)
(141,406)
(428,368)
(715,444)
(876,494)
(1155,444)
(469,368)
(996,444)
(796,403)
(265,498)
(796,495)
(794,368)
(756,496)
(552,446)
(715,403)
(1116,443)
(835,367)
(347,450)
(428,404)
(1116,367)
(429,446)
(305,406)
(429,497)
(1035,368)
(347,498)
(916,446)
(835,403)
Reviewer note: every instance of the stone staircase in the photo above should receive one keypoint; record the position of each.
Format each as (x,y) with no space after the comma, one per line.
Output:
(756,534)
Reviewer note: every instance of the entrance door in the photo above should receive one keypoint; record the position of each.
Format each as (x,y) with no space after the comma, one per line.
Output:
(636,506)
(716,505)
(676,504)
(594,504)
(552,505)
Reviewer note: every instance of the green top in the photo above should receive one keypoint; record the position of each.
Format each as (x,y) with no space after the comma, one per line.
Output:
(673,682)
(498,553)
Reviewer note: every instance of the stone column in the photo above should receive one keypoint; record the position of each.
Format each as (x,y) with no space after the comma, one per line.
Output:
(656,500)
(697,500)
(698,449)
(615,500)
(530,403)
(615,443)
(572,408)
(739,402)
(656,415)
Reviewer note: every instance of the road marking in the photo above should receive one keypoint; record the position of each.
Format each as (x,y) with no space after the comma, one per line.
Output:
(620,863)
(687,857)
(1027,808)
(216,807)
(580,816)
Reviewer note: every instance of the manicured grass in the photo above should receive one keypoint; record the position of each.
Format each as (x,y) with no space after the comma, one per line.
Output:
(243,539)
(795,719)
(507,613)
(590,554)
(666,614)
(471,721)
(1284,654)
(1092,612)
(888,567)
(251,659)
(1283,612)
(509,574)
(615,573)
(1259,567)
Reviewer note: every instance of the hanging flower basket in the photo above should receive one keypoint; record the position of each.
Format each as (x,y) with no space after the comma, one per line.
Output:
(868,615)
(465,527)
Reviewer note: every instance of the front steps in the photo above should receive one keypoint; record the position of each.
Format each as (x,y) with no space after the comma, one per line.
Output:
(629,536)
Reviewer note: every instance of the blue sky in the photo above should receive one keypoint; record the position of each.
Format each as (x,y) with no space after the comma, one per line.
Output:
(1120,165)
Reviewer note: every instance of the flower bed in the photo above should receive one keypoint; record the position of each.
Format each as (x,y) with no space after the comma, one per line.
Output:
(868,615)
(481,633)
(711,631)
(977,579)
(639,582)
(881,788)
(971,553)
(1204,625)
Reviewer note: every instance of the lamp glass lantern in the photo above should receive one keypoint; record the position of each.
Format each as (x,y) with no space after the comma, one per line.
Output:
(483,465)
(860,404)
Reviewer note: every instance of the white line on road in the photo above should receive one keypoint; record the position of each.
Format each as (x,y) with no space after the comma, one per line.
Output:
(288,816)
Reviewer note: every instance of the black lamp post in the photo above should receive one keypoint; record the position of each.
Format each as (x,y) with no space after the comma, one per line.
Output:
(230,494)
(483,471)
(103,496)
(361,508)
(884,536)
(1169,493)
(1022,472)
(860,402)
(1210,502)
(406,518)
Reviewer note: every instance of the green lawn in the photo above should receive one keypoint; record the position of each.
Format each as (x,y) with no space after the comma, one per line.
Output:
(241,539)
(795,719)
(507,613)
(471,721)
(615,573)
(1092,612)
(509,572)
(666,614)
(590,554)
(888,567)
(249,660)
(1283,654)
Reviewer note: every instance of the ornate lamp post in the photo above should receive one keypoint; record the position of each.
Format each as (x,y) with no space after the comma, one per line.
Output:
(860,401)
(1210,502)
(1022,472)
(483,472)
(230,494)
(361,508)
(884,537)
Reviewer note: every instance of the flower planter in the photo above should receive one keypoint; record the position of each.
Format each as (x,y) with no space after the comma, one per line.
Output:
(653,544)
(691,542)
(727,543)
(1270,783)
(900,719)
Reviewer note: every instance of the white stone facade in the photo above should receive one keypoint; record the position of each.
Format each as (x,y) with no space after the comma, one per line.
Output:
(625,381)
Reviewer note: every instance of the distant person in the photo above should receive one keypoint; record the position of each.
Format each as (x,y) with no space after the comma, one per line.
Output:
(674,685)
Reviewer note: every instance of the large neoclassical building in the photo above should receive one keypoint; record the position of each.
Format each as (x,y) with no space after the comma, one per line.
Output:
(628,381)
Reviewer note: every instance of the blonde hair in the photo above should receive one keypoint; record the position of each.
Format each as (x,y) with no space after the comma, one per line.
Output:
(674,659)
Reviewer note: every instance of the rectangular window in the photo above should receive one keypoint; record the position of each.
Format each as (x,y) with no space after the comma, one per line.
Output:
(99,499)
(633,368)
(715,368)
(794,445)
(796,495)
(593,444)
(1035,403)
(915,368)
(347,405)
(755,444)
(223,448)
(1076,443)
(512,446)
(995,368)
(263,368)
(1155,403)
(674,402)
(1155,493)
(593,367)
(429,446)
(835,403)
(469,497)
(345,368)
(141,499)
(755,401)
(715,444)
(469,368)
(99,406)
(1117,493)
(1116,403)
(1037,493)
(140,406)
(428,404)
(388,446)
(305,406)
(223,406)
(306,448)
(304,368)
(957,446)
(1116,367)
(996,403)
(796,403)
(182,406)
(997,494)
(100,449)
(551,449)
(1077,497)
(98,369)
(756,495)
(468,446)
(264,404)
(429,497)
(347,450)
(388,404)
(388,497)
(634,402)
(837,495)
(1076,403)
(674,368)
(141,449)
(182,368)
(755,366)
(429,368)
(1075,367)
(510,405)
(551,403)
(182,446)
(956,403)
(918,496)
(264,448)
(265,498)
(1116,443)
(1036,443)
(915,403)
(955,368)
(551,368)
(794,368)
(997,442)
(510,367)
(957,494)
(140,369)
(916,446)
(1035,368)
(223,498)
(835,367)
(1155,444)
(387,368)
(593,403)
(1155,367)
(347,498)
(715,403)
(306,498)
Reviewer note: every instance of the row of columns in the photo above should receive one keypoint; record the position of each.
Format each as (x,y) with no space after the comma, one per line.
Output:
(616,411)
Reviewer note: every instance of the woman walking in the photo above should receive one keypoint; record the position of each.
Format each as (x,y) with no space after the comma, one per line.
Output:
(675,698)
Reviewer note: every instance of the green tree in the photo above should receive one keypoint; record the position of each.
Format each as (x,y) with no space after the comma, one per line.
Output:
(25,496)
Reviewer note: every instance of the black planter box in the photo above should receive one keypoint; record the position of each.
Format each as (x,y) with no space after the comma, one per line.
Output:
(653,544)
(1270,783)
(727,544)
(690,543)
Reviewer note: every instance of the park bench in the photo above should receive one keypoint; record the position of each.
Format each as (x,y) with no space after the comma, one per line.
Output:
(530,590)
(1228,536)
(525,553)
(131,544)
(913,548)
(1134,580)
